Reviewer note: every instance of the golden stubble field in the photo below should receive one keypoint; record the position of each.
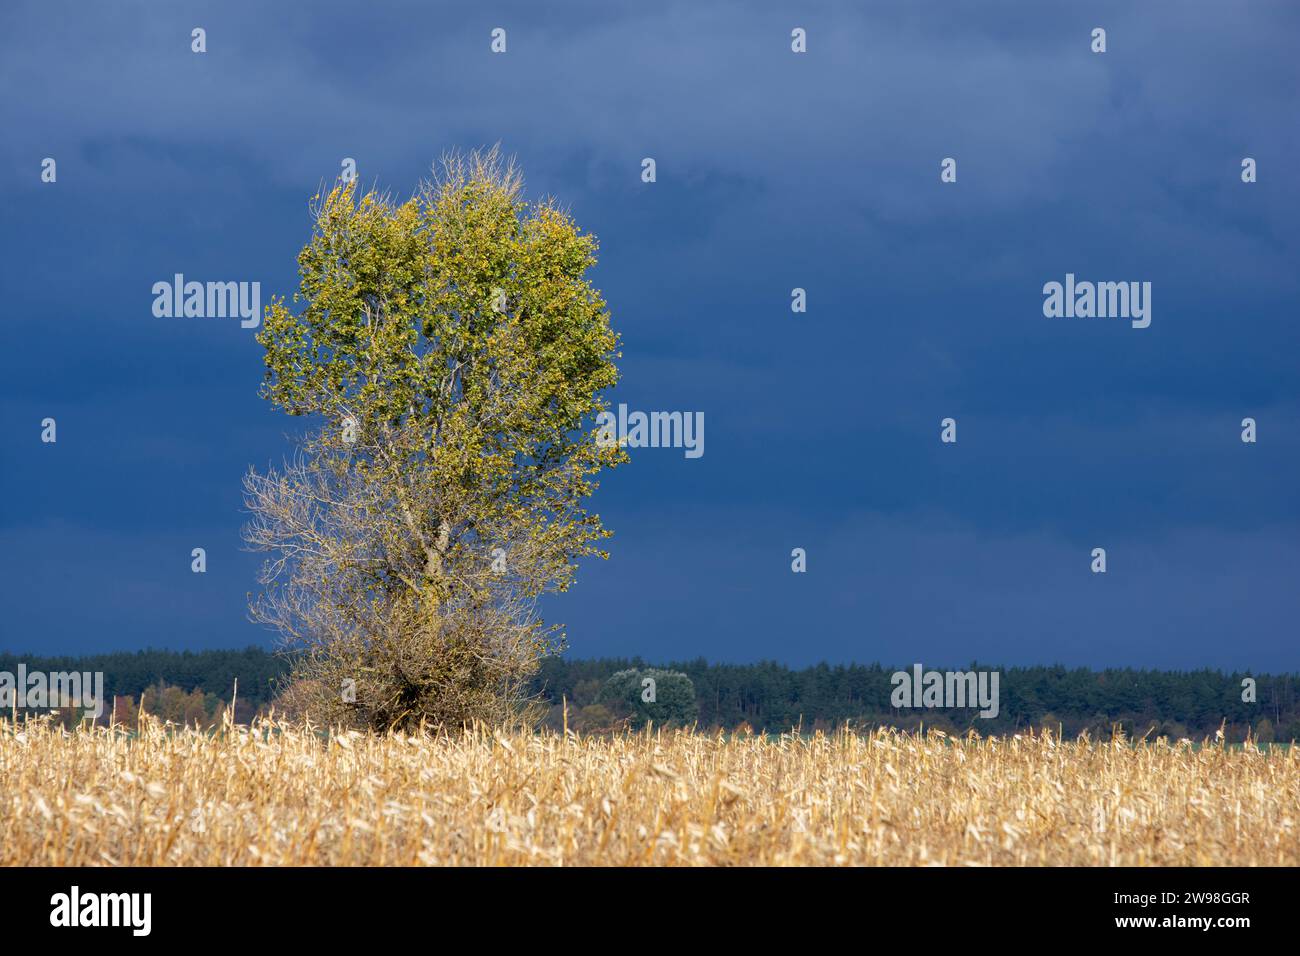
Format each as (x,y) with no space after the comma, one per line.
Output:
(273,794)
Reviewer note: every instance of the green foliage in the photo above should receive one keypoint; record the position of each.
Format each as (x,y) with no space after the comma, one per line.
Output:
(650,694)
(213,672)
(462,321)
(774,697)
(450,354)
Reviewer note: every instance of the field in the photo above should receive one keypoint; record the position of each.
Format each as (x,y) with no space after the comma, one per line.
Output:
(272,794)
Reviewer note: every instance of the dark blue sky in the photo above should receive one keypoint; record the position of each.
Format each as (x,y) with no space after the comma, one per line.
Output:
(775,170)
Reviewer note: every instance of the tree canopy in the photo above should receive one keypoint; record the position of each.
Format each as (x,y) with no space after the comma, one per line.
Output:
(451,355)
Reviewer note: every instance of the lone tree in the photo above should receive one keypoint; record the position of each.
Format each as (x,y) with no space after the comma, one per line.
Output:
(666,697)
(449,355)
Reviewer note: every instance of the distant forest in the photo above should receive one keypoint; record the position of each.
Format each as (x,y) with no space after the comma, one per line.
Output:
(765,696)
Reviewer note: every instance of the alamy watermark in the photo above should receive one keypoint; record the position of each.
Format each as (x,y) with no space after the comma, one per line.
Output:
(1100,300)
(75,908)
(209,300)
(946,689)
(54,691)
(652,430)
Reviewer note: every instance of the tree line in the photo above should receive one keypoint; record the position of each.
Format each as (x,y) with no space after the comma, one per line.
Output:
(773,697)
(601,694)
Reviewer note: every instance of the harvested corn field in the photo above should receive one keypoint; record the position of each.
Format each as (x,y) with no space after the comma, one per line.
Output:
(275,794)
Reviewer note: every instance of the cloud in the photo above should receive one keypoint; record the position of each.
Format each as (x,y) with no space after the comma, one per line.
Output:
(776,170)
